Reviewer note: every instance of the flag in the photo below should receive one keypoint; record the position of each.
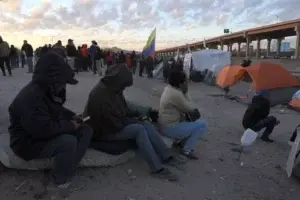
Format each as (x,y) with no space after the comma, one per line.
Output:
(177,55)
(149,49)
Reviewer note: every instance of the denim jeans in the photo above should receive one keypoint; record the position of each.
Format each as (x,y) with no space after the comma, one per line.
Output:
(30,64)
(189,132)
(68,150)
(149,143)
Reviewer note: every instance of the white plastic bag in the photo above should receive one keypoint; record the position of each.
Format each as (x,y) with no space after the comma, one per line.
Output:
(248,137)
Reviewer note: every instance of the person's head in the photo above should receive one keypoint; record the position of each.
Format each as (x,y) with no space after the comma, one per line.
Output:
(49,45)
(118,77)
(25,41)
(12,46)
(94,42)
(70,41)
(1,40)
(122,52)
(178,80)
(133,52)
(59,43)
(52,72)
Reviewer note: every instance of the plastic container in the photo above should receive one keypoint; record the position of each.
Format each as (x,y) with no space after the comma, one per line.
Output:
(248,138)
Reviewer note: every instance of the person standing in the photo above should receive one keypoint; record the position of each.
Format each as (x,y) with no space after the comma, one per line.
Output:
(71,54)
(133,62)
(27,48)
(92,53)
(13,56)
(4,57)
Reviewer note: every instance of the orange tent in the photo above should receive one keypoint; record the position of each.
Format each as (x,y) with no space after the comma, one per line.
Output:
(229,75)
(266,75)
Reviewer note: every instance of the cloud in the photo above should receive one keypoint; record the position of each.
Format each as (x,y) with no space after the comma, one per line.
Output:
(129,22)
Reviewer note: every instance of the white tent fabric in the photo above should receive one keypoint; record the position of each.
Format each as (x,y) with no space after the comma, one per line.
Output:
(211,59)
(158,71)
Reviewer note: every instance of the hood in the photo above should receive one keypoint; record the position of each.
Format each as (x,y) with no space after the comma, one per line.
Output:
(84,46)
(118,77)
(52,69)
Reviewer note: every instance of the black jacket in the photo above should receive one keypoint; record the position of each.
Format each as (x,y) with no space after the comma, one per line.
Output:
(71,50)
(28,50)
(122,58)
(34,117)
(258,109)
(106,104)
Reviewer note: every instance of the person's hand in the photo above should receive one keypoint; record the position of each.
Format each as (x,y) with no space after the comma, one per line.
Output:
(153,114)
(76,125)
(77,119)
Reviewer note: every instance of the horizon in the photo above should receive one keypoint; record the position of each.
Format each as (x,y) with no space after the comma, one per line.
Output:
(127,24)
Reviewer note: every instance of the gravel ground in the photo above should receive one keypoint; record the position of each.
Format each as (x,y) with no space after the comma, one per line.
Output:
(217,175)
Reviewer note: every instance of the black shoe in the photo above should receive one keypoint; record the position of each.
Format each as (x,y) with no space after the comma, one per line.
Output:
(166,174)
(266,139)
(189,154)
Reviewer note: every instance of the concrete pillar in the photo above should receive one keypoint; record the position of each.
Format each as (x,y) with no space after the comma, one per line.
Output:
(230,47)
(239,49)
(248,53)
(297,49)
(279,40)
(221,44)
(269,46)
(258,49)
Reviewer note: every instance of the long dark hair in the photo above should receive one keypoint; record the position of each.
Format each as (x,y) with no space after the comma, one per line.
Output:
(176,78)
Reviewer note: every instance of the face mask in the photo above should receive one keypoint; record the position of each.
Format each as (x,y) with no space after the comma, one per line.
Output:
(58,93)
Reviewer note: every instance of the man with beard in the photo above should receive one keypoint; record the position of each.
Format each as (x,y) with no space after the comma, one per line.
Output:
(40,127)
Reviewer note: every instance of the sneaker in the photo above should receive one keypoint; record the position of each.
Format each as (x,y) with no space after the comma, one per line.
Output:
(177,162)
(266,139)
(166,174)
(63,190)
(189,154)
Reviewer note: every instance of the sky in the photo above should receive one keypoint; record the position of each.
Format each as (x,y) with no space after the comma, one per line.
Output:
(128,23)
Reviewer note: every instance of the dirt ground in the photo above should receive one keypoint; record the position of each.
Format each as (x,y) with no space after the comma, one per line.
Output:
(217,175)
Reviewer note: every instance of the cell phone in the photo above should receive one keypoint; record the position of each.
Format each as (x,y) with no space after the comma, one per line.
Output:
(86,118)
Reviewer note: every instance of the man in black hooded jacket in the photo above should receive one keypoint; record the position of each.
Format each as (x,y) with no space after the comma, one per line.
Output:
(112,120)
(257,116)
(40,127)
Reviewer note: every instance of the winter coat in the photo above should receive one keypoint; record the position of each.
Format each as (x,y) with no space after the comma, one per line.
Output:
(34,117)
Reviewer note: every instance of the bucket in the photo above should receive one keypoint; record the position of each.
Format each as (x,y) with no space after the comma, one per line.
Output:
(248,137)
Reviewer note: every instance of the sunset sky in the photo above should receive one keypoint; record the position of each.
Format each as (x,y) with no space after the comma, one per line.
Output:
(127,23)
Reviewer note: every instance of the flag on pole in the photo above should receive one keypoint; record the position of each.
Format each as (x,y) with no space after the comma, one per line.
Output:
(149,48)
(177,55)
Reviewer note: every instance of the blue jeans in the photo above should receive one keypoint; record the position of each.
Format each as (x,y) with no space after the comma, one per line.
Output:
(30,64)
(149,143)
(189,132)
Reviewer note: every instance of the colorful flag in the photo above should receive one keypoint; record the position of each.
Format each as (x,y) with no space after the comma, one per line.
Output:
(149,49)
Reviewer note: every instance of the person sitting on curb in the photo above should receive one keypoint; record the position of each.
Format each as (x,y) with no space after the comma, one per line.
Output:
(175,105)
(40,127)
(112,120)
(257,117)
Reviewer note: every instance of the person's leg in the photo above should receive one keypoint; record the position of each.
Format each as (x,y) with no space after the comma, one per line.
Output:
(2,66)
(140,135)
(63,148)
(30,64)
(7,62)
(190,132)
(270,122)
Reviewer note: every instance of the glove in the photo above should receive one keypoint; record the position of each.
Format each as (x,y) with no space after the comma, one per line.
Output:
(194,115)
(153,114)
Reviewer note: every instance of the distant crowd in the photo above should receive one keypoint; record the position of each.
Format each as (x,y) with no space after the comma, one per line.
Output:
(80,58)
